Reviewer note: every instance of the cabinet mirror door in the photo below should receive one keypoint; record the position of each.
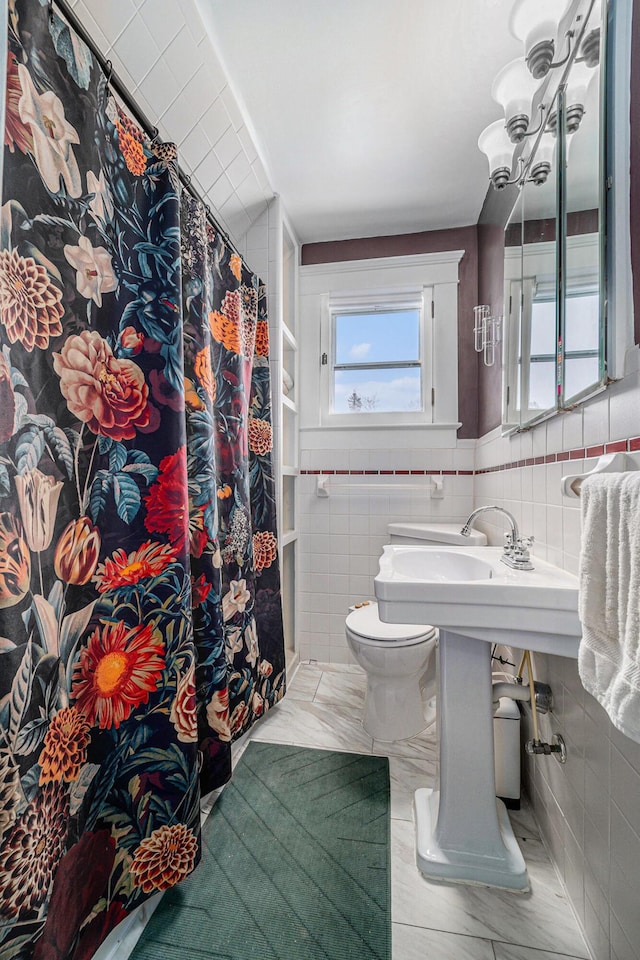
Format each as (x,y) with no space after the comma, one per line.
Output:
(582,339)
(555,333)
(531,303)
(512,346)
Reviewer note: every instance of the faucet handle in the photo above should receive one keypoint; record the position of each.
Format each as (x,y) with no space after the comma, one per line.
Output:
(516,553)
(520,549)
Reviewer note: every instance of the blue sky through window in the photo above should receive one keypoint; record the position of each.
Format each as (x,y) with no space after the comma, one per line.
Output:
(377,337)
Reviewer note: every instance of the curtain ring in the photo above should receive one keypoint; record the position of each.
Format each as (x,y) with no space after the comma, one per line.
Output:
(187,179)
(51,17)
(155,133)
(109,66)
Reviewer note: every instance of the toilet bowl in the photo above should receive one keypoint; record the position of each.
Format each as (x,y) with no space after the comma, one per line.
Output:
(399,659)
(395,658)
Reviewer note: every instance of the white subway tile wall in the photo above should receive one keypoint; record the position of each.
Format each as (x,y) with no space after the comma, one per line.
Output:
(166,59)
(341,537)
(589,808)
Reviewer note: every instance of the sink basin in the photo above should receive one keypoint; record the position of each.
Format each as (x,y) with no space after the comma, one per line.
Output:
(438,566)
(470,591)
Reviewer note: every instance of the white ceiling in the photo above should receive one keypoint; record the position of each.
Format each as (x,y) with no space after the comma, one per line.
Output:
(366,113)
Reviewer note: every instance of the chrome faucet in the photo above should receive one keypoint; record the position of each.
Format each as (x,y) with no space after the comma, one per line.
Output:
(516,548)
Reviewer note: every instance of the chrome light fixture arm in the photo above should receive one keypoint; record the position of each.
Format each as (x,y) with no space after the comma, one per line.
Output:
(569,35)
(531,133)
(517,127)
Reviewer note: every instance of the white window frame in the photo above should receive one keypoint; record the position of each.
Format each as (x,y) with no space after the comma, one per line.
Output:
(384,302)
(387,281)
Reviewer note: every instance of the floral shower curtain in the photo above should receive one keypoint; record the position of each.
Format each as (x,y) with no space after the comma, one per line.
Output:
(140,621)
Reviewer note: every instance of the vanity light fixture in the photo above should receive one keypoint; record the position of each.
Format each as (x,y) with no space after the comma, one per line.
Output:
(535,23)
(487,333)
(514,89)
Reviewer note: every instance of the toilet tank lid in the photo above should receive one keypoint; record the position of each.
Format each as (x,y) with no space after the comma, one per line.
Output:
(438,533)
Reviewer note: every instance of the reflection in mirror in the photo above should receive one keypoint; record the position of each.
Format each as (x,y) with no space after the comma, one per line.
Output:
(555,334)
(539,299)
(512,353)
(530,292)
(583,332)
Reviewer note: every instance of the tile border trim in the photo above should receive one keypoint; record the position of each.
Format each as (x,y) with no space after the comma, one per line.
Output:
(630,445)
(576,453)
(387,473)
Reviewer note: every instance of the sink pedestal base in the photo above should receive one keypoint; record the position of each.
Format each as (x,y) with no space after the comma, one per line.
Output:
(458,866)
(463,832)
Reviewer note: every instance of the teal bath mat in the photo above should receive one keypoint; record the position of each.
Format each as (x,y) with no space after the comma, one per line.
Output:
(295,865)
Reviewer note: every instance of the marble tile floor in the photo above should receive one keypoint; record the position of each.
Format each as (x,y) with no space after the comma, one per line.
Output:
(431,921)
(437,921)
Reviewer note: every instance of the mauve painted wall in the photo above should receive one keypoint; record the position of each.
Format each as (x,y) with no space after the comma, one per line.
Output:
(537,231)
(431,241)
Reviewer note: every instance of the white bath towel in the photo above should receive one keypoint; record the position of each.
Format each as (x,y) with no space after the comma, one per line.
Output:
(609,601)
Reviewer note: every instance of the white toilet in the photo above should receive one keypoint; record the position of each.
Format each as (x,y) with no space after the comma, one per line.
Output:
(398,659)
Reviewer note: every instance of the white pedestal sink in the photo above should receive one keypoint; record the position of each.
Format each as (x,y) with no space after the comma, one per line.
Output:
(463,832)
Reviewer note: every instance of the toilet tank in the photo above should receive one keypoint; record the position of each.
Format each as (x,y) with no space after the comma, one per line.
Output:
(433,534)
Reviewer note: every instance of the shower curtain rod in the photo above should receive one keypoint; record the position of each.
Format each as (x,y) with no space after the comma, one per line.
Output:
(114,81)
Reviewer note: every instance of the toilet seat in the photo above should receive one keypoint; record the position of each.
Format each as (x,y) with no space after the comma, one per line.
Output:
(365,624)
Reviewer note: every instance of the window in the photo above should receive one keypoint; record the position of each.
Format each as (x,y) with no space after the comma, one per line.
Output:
(379,370)
(386,350)
(377,358)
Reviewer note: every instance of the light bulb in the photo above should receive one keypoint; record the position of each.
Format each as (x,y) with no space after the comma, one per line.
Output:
(543,160)
(495,144)
(576,94)
(590,48)
(514,89)
(535,22)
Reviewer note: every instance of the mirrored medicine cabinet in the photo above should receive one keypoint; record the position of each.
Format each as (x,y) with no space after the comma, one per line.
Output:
(554,344)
